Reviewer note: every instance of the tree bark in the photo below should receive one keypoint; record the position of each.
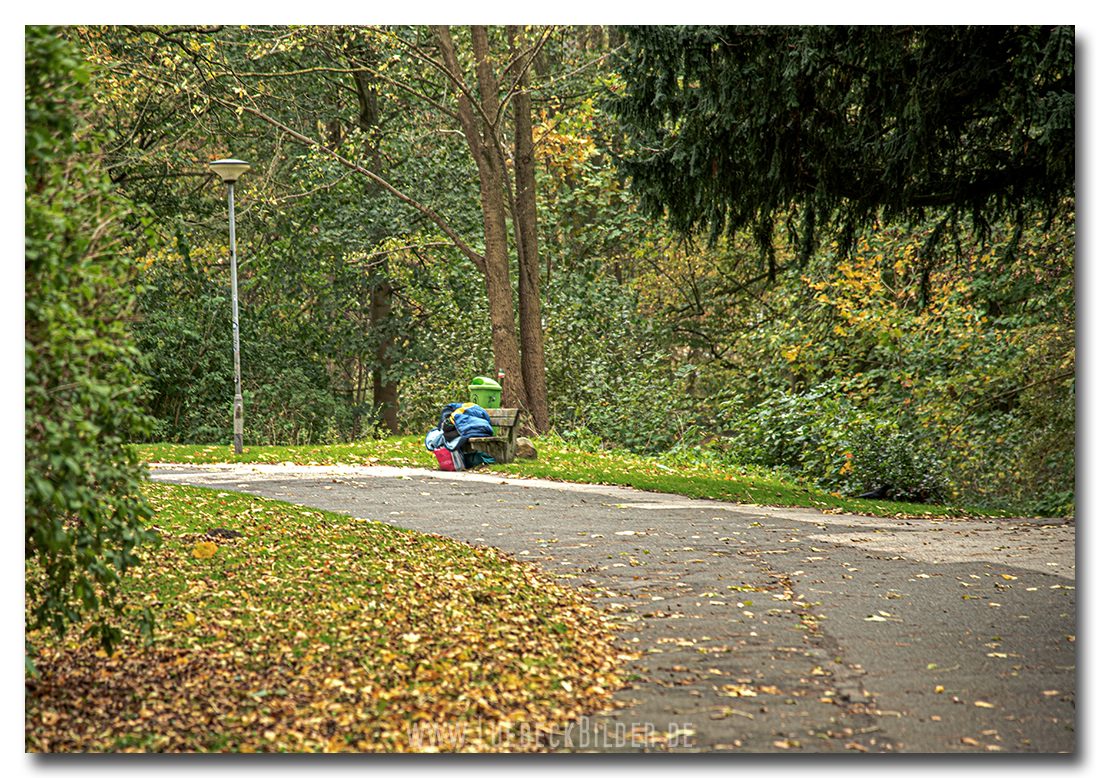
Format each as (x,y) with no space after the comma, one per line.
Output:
(383,385)
(480,136)
(525,217)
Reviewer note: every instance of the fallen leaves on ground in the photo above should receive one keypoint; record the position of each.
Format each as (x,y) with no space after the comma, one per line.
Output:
(318,632)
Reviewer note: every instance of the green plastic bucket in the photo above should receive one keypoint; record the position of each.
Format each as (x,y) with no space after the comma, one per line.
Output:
(485,392)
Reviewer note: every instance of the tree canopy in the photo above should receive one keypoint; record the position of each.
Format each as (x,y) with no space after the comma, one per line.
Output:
(734,127)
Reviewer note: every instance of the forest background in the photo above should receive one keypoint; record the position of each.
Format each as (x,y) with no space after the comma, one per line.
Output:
(430,204)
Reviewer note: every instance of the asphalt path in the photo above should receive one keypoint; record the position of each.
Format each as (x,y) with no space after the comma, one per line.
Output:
(763,629)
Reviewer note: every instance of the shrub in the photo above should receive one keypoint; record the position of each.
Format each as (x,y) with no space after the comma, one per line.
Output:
(607,372)
(822,437)
(84,510)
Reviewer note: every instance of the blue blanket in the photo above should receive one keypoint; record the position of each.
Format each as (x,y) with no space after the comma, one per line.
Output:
(470,420)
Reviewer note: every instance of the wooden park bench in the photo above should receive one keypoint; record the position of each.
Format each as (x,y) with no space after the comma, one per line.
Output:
(502,446)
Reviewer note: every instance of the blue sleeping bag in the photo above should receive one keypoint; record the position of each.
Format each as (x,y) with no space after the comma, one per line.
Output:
(470,420)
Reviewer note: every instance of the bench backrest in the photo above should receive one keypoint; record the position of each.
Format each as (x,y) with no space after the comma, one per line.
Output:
(504,421)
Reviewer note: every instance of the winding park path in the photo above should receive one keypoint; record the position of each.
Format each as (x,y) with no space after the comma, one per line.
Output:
(764,629)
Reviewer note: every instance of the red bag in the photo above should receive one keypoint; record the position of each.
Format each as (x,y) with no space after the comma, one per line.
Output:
(448,460)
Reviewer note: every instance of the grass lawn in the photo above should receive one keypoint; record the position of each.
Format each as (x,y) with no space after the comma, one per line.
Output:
(559,460)
(312,631)
(406,451)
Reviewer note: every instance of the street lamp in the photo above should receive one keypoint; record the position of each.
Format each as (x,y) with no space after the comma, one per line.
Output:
(230,170)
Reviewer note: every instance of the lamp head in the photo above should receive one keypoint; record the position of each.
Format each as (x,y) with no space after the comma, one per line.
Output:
(229,169)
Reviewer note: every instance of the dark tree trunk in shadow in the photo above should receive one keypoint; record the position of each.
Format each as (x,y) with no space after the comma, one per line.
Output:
(383,385)
(525,217)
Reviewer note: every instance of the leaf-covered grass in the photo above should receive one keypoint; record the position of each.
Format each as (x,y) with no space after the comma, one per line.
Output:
(315,631)
(560,460)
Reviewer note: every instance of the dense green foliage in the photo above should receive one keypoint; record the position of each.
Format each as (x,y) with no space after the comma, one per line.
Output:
(823,434)
(823,369)
(869,362)
(735,128)
(183,326)
(296,391)
(316,243)
(84,514)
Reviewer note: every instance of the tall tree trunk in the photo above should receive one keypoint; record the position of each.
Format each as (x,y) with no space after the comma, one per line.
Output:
(383,385)
(525,216)
(498,287)
(480,136)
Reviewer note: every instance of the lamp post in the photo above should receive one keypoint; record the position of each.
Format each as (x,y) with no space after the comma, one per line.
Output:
(230,170)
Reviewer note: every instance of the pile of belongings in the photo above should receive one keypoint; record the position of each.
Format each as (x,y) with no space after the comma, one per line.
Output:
(458,422)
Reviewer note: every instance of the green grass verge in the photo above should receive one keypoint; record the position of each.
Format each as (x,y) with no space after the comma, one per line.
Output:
(303,630)
(404,451)
(559,460)
(739,484)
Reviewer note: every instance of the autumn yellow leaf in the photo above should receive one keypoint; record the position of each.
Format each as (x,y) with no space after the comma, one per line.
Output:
(737,690)
(204,550)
